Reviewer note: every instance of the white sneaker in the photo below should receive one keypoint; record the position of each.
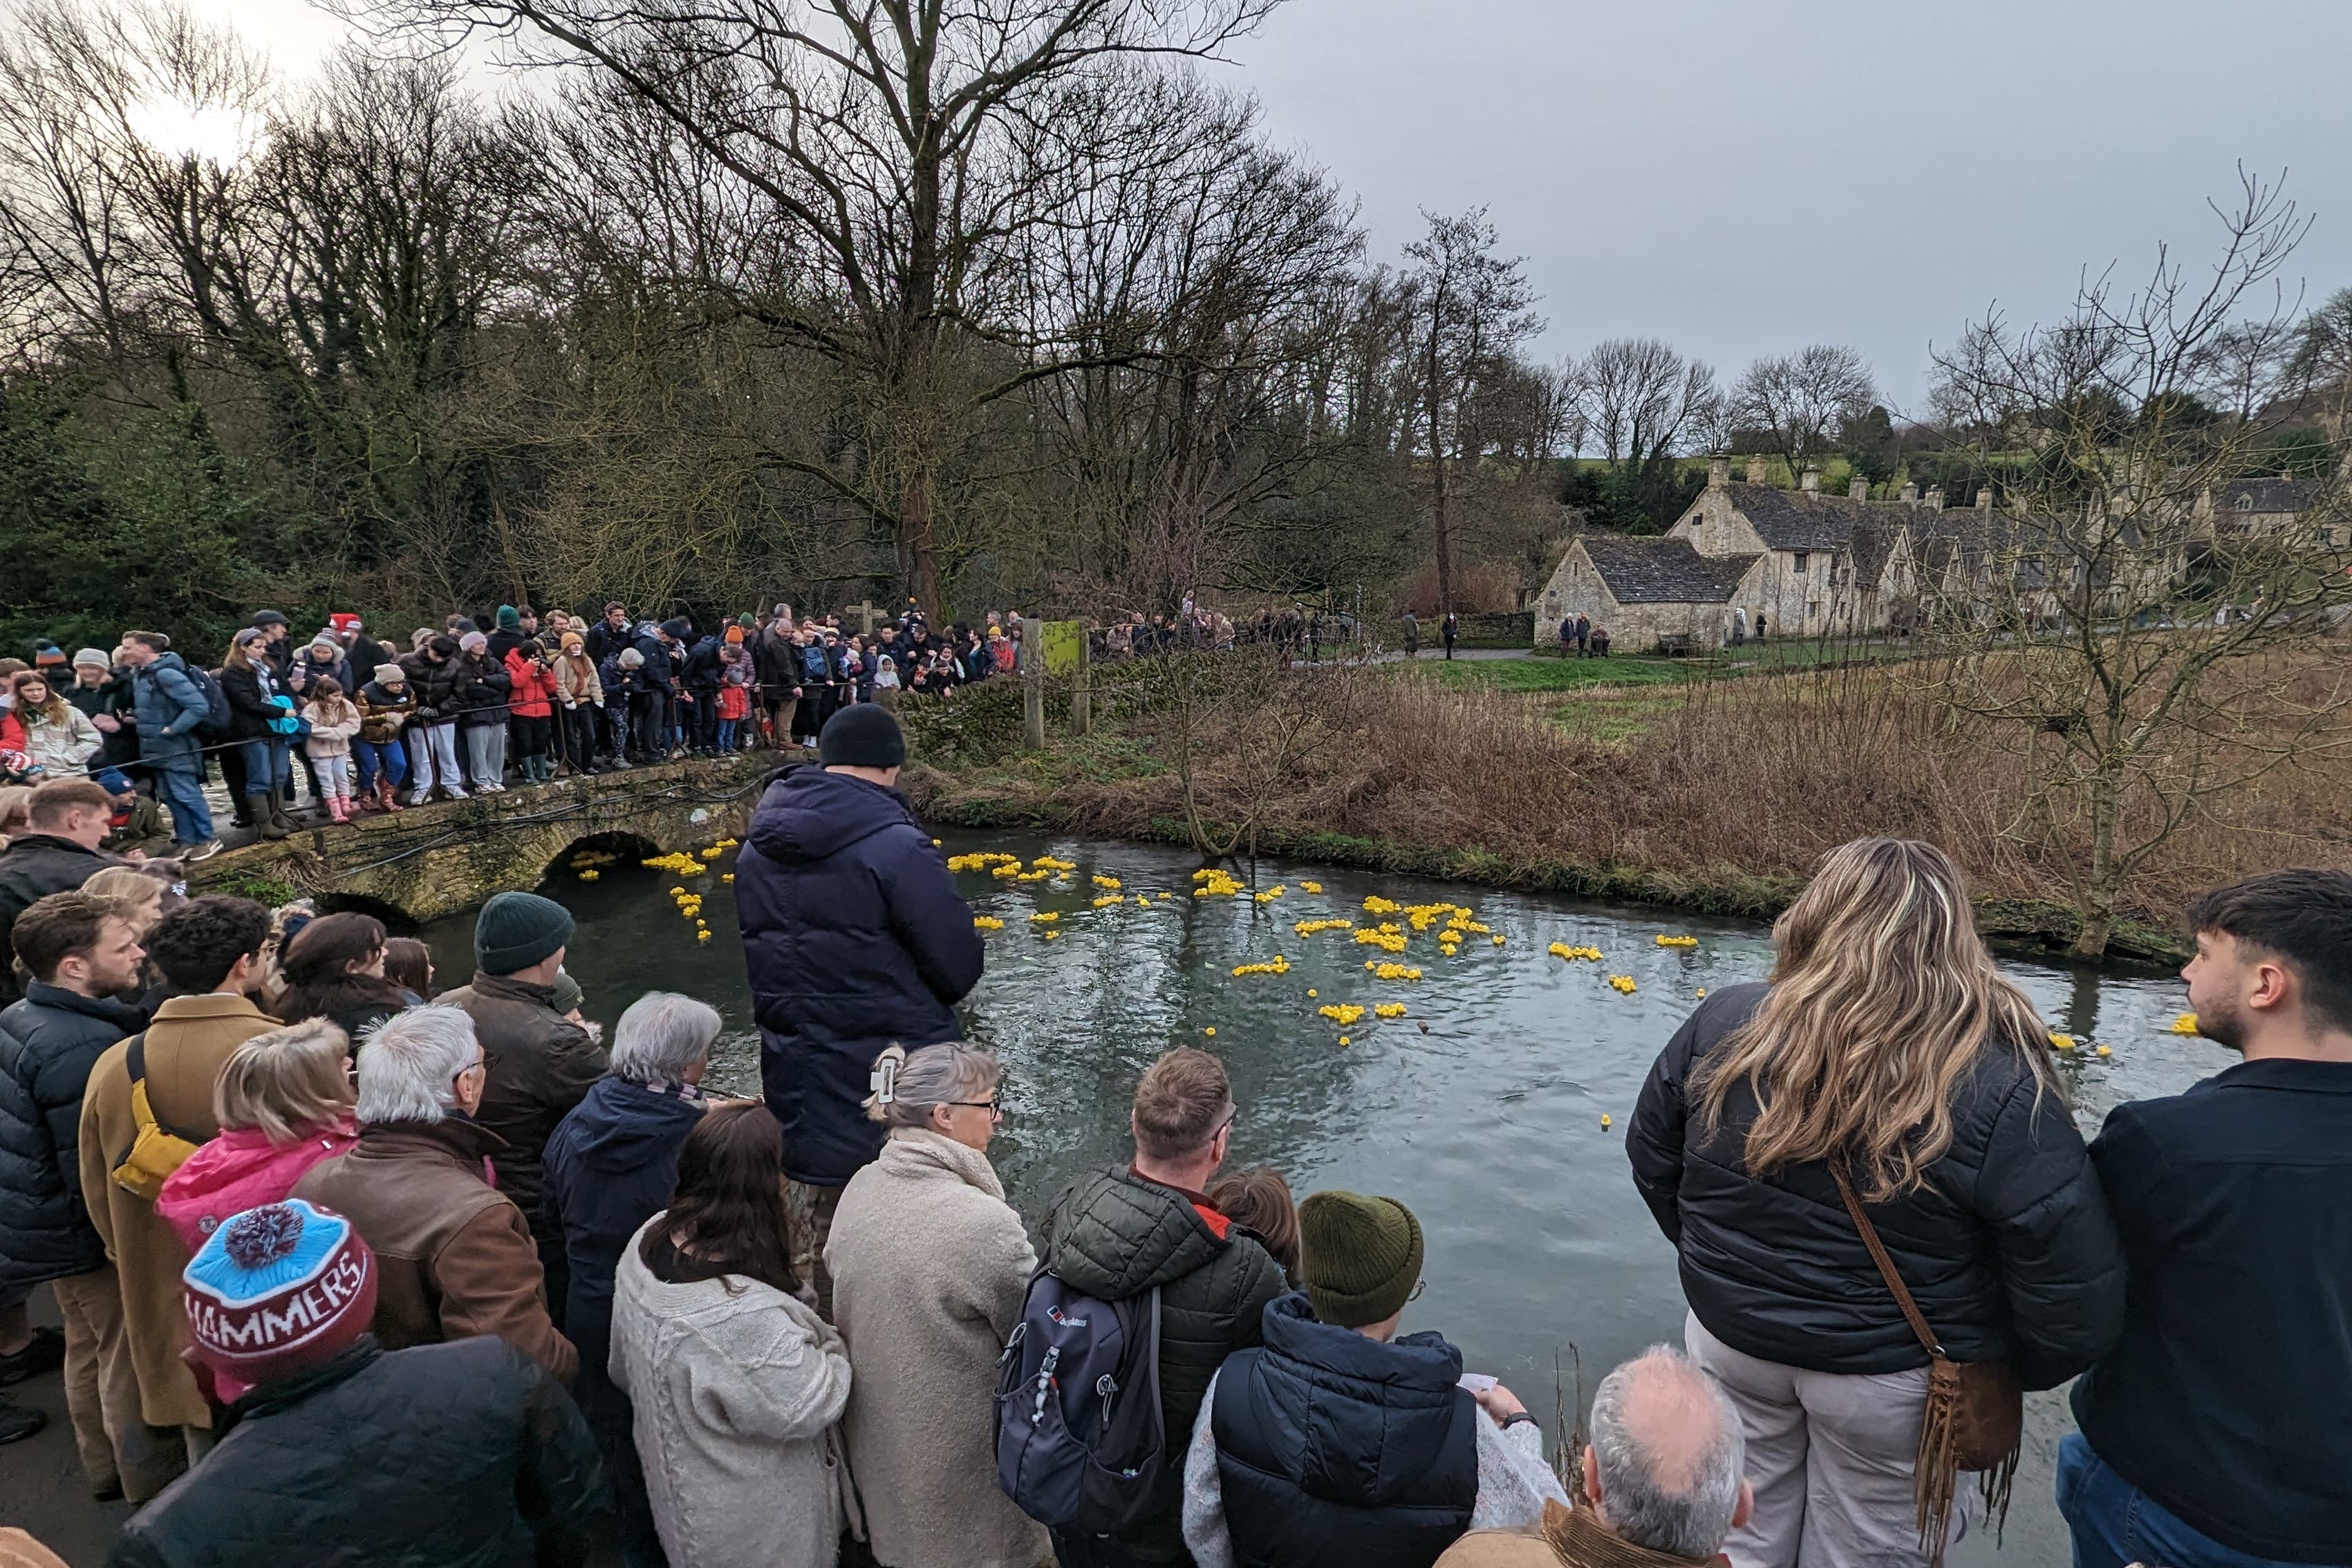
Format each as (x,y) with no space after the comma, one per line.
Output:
(456,792)
(419,796)
(489,789)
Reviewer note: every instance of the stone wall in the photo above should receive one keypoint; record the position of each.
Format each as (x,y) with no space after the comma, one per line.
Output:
(434,861)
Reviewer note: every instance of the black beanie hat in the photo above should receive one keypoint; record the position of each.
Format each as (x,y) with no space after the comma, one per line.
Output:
(863,735)
(515,931)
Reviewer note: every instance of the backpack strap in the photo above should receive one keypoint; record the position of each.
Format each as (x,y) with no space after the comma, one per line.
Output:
(143,1110)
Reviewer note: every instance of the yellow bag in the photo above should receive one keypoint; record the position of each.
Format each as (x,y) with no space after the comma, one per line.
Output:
(157,1151)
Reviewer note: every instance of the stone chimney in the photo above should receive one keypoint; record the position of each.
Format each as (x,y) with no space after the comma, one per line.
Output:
(1911,493)
(1935,502)
(1718,471)
(1859,490)
(1811,482)
(1756,471)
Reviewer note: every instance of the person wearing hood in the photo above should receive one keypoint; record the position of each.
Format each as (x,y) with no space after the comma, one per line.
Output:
(1338,1441)
(1121,1232)
(167,707)
(610,1164)
(432,737)
(930,1268)
(481,684)
(855,938)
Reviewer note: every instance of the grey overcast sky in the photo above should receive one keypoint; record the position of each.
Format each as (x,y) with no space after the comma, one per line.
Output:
(1742,176)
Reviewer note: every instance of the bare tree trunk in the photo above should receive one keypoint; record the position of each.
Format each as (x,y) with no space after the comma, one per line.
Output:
(2102,885)
(1437,517)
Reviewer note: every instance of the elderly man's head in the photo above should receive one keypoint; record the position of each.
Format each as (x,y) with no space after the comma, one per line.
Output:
(1664,1466)
(422,1065)
(664,1039)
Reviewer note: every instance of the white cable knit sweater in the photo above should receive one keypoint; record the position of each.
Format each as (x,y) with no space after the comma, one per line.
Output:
(736,1397)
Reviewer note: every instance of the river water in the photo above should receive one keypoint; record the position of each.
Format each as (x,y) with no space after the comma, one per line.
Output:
(1482,1108)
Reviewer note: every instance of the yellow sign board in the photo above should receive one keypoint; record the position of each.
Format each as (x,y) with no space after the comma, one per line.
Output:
(1065,643)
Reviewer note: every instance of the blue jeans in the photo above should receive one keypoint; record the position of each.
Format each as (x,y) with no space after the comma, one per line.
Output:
(267,766)
(2116,1523)
(388,760)
(183,792)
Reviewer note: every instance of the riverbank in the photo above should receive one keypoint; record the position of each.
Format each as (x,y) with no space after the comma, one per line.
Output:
(1719,801)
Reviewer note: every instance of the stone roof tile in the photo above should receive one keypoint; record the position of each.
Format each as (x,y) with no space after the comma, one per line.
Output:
(1663,571)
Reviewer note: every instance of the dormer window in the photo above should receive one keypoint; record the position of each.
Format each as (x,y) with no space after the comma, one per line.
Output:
(1800,558)
(2245,503)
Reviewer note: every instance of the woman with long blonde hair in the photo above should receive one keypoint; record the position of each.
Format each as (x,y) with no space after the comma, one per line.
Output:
(1886,1049)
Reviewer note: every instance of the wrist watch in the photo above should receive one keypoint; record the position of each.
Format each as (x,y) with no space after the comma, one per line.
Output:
(1515,1417)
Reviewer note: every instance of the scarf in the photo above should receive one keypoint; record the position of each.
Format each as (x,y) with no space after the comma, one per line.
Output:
(1579,1539)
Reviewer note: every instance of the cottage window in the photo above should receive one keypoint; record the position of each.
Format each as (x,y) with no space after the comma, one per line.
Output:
(1800,563)
(2245,503)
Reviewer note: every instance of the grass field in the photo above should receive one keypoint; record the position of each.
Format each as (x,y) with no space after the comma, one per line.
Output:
(1547,672)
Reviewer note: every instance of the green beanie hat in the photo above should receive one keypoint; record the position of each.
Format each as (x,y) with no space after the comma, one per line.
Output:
(515,931)
(1361,1257)
(509,618)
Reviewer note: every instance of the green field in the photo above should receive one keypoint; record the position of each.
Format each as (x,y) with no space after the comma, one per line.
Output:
(1547,672)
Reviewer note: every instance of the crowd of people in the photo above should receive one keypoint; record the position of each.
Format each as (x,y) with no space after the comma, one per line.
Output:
(483,702)
(355,1269)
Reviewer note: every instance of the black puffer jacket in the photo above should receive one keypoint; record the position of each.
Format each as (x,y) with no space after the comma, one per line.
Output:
(34,866)
(1114,1235)
(435,686)
(2010,1250)
(463,1455)
(49,1043)
(252,709)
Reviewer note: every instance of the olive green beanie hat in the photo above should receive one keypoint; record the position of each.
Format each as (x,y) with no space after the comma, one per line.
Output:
(1361,1257)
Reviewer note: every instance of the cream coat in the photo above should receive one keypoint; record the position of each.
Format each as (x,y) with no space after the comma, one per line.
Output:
(930,1266)
(736,1396)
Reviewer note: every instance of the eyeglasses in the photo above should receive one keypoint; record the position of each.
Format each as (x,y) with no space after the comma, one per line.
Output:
(995,1108)
(1418,1287)
(485,1061)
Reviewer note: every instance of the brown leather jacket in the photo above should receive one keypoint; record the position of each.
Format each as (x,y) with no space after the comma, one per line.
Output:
(453,1255)
(546,1063)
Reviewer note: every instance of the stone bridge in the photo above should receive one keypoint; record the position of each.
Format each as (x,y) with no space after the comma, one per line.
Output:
(434,861)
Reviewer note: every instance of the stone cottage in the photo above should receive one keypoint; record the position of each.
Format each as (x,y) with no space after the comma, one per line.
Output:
(1650,594)
(1826,558)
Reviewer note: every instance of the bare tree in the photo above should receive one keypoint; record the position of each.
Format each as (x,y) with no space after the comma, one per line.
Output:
(888,140)
(2139,650)
(1472,309)
(1800,401)
(2321,366)
(1642,402)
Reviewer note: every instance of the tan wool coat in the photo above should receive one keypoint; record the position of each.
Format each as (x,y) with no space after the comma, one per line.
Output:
(930,1266)
(188,1043)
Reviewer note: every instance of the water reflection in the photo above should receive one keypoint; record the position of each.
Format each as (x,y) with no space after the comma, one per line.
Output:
(1481,1109)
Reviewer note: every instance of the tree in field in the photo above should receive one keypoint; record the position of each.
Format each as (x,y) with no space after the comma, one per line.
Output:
(2320,367)
(1643,405)
(1798,404)
(897,149)
(1471,311)
(2137,651)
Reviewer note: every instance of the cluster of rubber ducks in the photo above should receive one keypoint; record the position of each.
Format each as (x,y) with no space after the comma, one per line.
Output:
(1622,985)
(589,864)
(1561,949)
(1663,940)
(1278,965)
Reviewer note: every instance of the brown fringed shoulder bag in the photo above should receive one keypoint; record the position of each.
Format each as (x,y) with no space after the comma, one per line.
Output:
(1976,1411)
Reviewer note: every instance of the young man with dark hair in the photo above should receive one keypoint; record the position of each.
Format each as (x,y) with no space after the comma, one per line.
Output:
(168,710)
(209,951)
(2214,1432)
(1121,1232)
(70,817)
(80,952)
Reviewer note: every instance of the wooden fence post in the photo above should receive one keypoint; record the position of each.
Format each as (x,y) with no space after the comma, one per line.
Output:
(1033,684)
(1082,698)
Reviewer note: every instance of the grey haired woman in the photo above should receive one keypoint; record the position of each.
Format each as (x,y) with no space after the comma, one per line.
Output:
(930,1266)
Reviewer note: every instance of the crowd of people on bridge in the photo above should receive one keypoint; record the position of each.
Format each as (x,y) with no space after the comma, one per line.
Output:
(354,1270)
(485,702)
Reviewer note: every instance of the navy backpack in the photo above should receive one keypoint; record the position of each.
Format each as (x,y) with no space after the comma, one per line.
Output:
(1081,1444)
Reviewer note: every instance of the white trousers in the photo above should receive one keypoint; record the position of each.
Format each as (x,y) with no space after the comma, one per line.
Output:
(432,751)
(1831,1456)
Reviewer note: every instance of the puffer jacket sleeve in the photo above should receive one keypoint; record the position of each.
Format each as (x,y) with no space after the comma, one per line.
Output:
(930,917)
(560,1486)
(1654,1141)
(2054,1241)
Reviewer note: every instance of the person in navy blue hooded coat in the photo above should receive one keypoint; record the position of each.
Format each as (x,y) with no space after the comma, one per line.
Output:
(856,939)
